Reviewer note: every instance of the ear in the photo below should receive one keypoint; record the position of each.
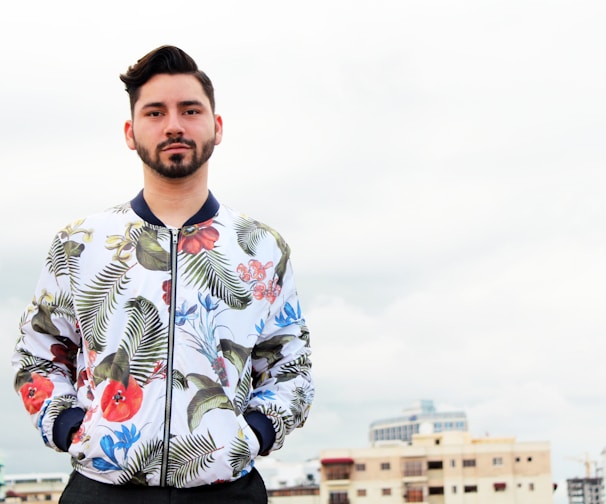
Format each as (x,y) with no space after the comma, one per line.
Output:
(218,129)
(129,135)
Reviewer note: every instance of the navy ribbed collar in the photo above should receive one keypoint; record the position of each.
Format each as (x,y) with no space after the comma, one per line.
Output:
(208,210)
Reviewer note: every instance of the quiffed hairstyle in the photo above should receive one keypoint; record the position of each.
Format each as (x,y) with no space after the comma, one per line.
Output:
(164,60)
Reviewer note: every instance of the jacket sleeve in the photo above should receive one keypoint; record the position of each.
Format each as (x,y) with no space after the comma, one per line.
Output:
(283,389)
(46,353)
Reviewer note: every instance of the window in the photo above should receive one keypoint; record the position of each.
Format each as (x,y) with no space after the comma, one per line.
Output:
(454,489)
(436,490)
(289,492)
(414,494)
(413,468)
(385,466)
(517,459)
(469,463)
(470,488)
(497,461)
(499,487)
(531,487)
(434,464)
(360,467)
(453,463)
(385,491)
(338,498)
(529,459)
(336,472)
(361,492)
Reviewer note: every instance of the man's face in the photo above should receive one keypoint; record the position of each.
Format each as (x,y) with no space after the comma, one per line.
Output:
(173,128)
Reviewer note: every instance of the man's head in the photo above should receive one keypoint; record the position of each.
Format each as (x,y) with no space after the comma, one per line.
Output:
(173,126)
(164,60)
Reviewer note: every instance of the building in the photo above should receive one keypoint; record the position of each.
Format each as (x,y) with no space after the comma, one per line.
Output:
(45,487)
(290,482)
(305,494)
(422,417)
(589,489)
(2,484)
(584,490)
(439,468)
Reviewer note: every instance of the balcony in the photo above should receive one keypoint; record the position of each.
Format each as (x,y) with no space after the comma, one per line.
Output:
(336,469)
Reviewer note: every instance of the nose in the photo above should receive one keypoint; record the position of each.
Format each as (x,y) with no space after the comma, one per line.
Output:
(173,127)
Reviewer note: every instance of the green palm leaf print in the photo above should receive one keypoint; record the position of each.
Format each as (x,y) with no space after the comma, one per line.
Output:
(99,301)
(210,269)
(239,456)
(147,459)
(144,339)
(189,456)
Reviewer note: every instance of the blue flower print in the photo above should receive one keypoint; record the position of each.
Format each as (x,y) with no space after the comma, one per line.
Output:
(183,315)
(289,316)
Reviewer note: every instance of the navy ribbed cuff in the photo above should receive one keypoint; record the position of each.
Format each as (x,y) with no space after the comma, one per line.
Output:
(67,422)
(263,429)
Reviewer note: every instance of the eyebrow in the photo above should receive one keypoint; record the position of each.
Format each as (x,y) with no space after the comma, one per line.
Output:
(184,103)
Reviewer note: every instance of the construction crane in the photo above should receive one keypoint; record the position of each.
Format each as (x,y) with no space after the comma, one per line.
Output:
(587,462)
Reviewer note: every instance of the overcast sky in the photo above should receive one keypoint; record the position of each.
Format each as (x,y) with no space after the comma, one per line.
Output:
(436,166)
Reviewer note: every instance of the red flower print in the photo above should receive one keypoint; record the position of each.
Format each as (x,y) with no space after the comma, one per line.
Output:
(159,372)
(120,403)
(257,269)
(244,273)
(270,293)
(35,392)
(197,237)
(82,378)
(273,291)
(218,366)
(259,291)
(166,288)
(65,353)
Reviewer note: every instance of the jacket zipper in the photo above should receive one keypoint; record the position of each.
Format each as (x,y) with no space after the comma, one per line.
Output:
(174,234)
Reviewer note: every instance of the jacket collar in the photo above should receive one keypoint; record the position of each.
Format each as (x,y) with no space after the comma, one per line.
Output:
(208,210)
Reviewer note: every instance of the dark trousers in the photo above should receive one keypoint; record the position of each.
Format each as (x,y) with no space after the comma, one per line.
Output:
(82,490)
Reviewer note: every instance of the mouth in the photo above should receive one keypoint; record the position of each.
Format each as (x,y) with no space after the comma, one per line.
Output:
(176,147)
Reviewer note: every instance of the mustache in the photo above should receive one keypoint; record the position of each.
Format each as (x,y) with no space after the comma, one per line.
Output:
(179,140)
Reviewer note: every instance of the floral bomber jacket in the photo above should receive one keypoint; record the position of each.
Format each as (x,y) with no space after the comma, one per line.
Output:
(172,356)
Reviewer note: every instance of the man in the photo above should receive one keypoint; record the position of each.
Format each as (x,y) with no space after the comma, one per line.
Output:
(165,348)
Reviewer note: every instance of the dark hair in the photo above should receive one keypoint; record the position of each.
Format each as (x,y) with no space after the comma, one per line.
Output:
(164,60)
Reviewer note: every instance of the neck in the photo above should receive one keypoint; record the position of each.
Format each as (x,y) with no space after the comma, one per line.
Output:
(174,201)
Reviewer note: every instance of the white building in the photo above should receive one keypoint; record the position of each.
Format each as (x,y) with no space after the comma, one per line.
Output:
(290,482)
(421,418)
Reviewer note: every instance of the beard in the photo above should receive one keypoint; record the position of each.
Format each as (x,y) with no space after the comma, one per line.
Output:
(177,167)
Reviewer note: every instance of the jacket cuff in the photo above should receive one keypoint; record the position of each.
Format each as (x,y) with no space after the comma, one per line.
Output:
(263,429)
(66,423)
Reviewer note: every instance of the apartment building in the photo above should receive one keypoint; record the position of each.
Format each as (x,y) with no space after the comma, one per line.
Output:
(45,487)
(585,490)
(421,417)
(439,468)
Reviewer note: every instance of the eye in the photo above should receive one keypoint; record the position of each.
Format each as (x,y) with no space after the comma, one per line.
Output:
(154,113)
(192,112)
